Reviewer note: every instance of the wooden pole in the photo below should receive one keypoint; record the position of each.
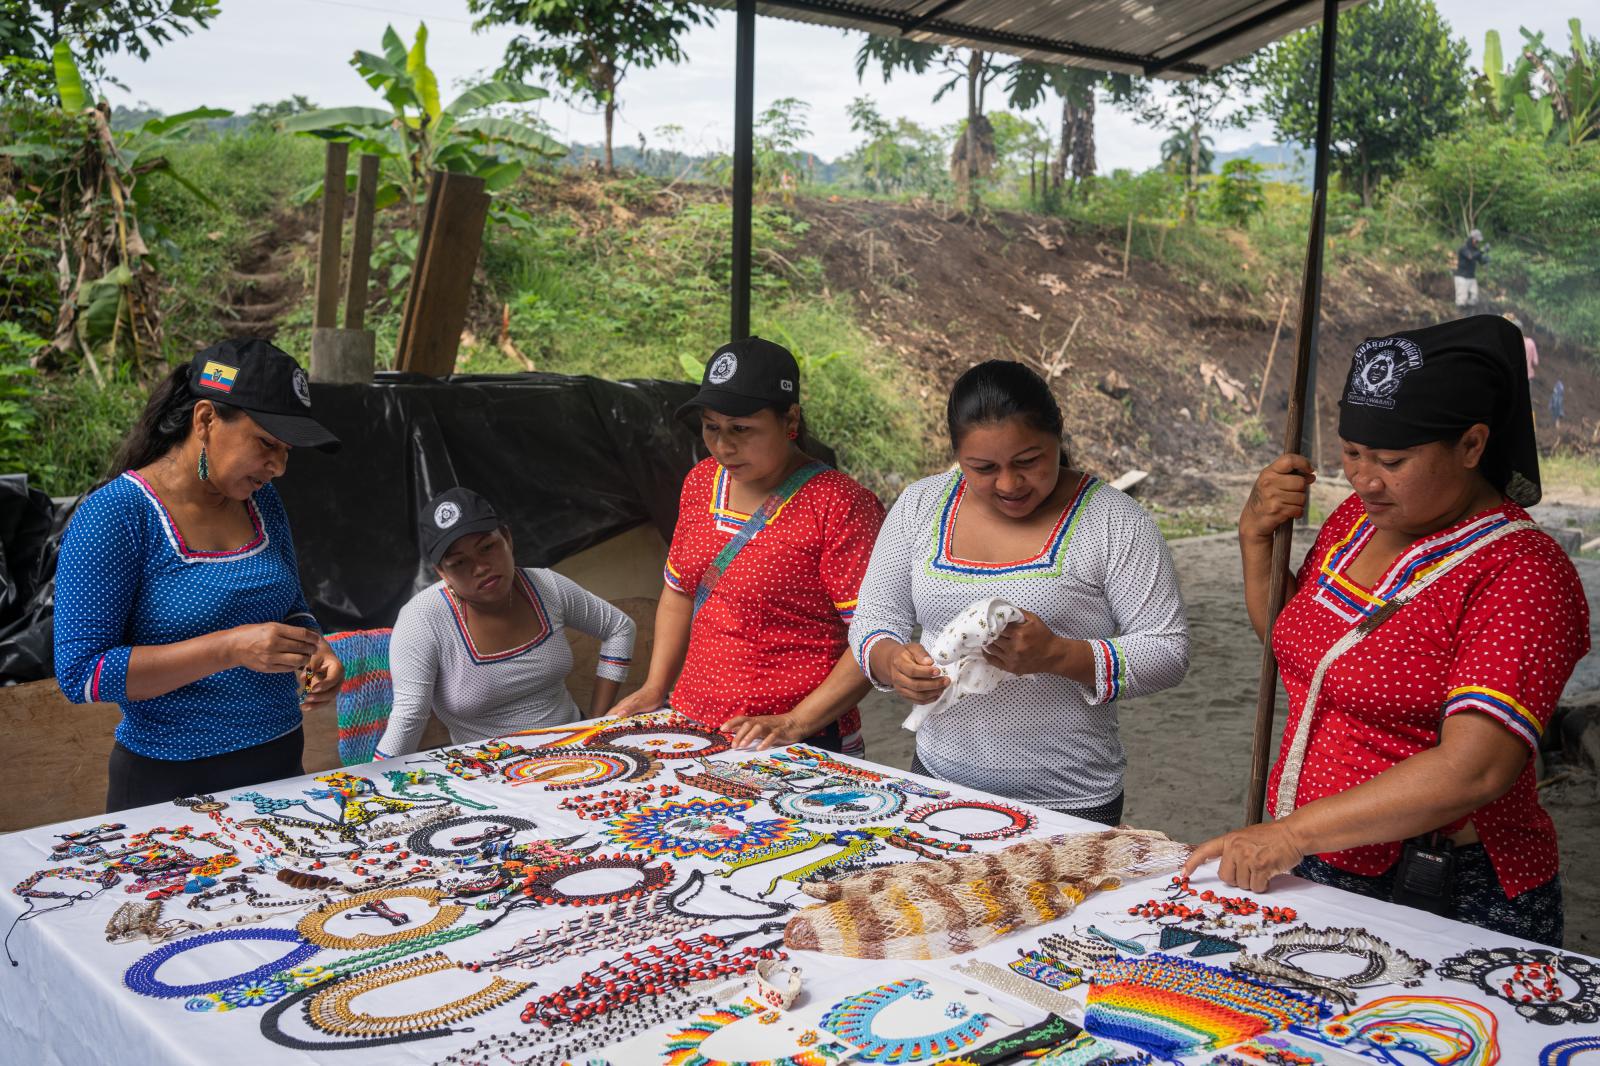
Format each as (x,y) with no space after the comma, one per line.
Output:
(327,306)
(1261,396)
(1294,424)
(1127,246)
(744,110)
(355,293)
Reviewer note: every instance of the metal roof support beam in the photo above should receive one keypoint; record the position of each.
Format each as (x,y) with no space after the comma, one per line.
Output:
(1305,382)
(923,19)
(977,35)
(744,107)
(1239,28)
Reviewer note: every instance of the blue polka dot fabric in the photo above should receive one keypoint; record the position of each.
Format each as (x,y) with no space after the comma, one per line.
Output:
(126,578)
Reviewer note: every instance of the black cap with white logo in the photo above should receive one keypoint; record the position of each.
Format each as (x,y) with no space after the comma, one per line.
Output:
(254,376)
(451,515)
(745,376)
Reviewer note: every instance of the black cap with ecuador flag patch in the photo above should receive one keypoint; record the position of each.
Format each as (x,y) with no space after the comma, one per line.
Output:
(746,376)
(261,379)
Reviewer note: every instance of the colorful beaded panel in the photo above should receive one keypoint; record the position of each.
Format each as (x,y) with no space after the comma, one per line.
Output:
(565,768)
(1171,1005)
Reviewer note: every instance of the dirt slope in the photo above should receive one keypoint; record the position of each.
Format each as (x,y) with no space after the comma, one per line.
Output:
(944,293)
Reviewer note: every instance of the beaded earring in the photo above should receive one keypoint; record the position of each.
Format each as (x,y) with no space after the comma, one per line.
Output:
(204,466)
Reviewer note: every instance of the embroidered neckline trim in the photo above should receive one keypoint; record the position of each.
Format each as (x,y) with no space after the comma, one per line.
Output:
(1049,560)
(539,638)
(175,536)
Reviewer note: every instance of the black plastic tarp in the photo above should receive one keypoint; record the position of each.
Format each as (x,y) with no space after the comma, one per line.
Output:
(570,462)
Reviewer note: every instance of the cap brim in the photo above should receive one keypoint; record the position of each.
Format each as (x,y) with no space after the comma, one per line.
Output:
(733,404)
(465,529)
(297,431)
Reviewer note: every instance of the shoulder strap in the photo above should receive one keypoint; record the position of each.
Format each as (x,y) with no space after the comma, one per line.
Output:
(755,524)
(1295,757)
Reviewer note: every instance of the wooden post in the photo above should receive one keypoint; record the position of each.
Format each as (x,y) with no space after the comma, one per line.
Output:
(1261,396)
(355,293)
(441,281)
(1127,246)
(327,306)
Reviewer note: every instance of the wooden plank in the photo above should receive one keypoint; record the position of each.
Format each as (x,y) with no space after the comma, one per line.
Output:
(328,242)
(430,206)
(436,309)
(355,292)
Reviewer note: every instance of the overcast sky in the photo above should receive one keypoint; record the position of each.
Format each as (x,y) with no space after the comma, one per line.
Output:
(264,50)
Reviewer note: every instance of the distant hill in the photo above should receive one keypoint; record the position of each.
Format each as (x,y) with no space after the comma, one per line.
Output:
(1284,162)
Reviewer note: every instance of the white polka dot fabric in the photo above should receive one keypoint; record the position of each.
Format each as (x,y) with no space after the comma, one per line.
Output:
(1105,576)
(435,666)
(126,578)
(958,653)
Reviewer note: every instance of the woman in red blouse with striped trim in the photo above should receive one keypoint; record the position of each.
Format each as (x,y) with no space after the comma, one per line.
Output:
(766,658)
(1410,720)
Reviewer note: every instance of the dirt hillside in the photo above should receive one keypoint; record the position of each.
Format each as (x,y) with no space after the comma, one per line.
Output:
(1153,372)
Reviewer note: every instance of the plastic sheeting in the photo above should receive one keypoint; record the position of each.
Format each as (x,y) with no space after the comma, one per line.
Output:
(569,461)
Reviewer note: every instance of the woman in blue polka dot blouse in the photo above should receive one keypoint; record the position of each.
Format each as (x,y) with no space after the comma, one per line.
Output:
(177,592)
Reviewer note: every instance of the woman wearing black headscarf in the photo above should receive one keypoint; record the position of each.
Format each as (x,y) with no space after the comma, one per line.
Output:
(1406,769)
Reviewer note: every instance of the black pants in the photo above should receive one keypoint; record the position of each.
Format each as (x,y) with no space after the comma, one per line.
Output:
(136,780)
(1109,813)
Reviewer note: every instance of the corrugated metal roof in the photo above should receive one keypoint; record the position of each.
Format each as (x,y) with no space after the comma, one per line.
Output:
(1123,35)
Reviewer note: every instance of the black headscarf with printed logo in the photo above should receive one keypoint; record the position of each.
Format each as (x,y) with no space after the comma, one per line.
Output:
(1432,384)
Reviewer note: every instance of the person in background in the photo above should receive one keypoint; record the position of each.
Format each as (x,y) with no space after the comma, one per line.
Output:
(764,569)
(177,590)
(1412,730)
(1531,350)
(484,647)
(1102,618)
(1558,401)
(1468,256)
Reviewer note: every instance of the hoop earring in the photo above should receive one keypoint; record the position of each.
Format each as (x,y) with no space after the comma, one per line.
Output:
(204,466)
(794,434)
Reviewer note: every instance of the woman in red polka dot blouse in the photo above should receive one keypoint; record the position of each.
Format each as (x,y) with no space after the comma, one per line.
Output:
(765,655)
(1419,719)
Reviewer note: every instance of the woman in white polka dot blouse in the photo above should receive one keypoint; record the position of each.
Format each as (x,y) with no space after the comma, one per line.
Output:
(177,591)
(484,647)
(1102,618)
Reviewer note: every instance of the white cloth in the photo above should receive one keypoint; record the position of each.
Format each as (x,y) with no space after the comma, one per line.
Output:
(1466,291)
(958,653)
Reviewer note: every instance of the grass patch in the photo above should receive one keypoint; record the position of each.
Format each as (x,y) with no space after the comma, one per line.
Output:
(79,427)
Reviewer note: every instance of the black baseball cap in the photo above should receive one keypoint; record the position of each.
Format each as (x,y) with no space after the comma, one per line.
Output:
(743,377)
(451,515)
(255,376)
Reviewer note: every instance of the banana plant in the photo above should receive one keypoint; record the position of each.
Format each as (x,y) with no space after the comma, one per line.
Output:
(418,133)
(98,184)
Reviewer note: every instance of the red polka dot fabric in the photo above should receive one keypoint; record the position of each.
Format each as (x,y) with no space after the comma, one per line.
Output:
(1498,635)
(780,616)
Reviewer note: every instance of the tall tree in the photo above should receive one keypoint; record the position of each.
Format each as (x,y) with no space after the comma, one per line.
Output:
(589,46)
(95,30)
(973,153)
(1027,85)
(1186,108)
(1401,82)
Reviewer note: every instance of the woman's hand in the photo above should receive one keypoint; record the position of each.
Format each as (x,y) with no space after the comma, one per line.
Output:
(643,701)
(764,731)
(1027,647)
(913,675)
(1278,496)
(1250,857)
(271,647)
(324,673)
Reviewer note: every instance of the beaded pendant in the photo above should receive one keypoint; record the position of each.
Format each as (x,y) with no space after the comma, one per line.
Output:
(841,803)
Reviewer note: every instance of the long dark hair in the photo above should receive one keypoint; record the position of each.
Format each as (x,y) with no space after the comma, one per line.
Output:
(164,424)
(999,389)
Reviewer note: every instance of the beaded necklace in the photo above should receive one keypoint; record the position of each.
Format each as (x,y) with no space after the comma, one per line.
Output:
(421,841)
(599,806)
(712,828)
(633,976)
(314,925)
(1428,1028)
(1186,905)
(403,781)
(329,1010)
(1018,821)
(559,769)
(683,1045)
(700,742)
(841,802)
(28,889)
(852,1020)
(1562,1052)
(141,976)
(1534,988)
(1385,964)
(544,884)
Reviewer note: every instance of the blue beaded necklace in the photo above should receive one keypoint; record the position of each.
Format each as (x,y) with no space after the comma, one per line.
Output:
(141,976)
(851,1020)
